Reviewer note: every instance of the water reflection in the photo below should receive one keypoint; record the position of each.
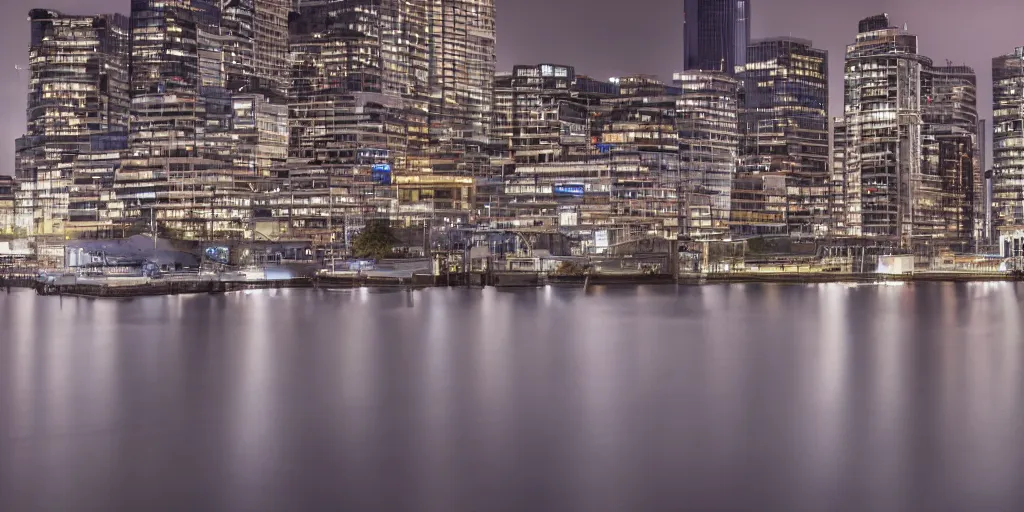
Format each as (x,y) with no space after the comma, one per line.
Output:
(721,397)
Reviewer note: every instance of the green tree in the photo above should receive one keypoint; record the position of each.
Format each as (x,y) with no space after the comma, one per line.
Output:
(375,241)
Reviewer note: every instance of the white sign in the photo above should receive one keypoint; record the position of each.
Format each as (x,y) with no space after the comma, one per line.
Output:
(601,239)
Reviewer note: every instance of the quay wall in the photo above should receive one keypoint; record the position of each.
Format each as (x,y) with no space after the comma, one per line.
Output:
(500,280)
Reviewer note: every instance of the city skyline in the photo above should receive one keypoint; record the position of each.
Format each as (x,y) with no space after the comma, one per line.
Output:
(534,31)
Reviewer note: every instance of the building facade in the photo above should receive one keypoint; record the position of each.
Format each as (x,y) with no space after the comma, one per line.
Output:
(175,60)
(950,168)
(462,62)
(8,216)
(839,147)
(883,117)
(78,90)
(709,150)
(785,143)
(1007,200)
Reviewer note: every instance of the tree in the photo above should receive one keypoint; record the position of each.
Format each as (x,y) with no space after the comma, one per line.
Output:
(375,241)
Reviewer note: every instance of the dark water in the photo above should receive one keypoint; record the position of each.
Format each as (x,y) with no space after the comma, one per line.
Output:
(790,398)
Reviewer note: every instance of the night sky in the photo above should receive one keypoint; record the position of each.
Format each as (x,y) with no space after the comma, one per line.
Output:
(605,38)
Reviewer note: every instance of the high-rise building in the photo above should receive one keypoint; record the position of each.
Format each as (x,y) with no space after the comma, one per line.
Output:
(709,141)
(238,44)
(78,90)
(547,125)
(883,118)
(348,116)
(911,167)
(1008,148)
(950,172)
(640,137)
(190,172)
(173,52)
(270,49)
(839,149)
(716,34)
(462,63)
(343,101)
(785,145)
(540,115)
(92,187)
(404,84)
(8,224)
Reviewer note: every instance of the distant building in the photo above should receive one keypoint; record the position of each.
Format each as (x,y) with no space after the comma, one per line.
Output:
(348,115)
(716,34)
(92,187)
(785,145)
(270,49)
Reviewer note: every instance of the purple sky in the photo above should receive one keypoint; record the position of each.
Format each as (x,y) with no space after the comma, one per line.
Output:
(606,38)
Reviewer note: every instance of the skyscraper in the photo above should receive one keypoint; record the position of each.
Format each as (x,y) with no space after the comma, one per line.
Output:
(1008,147)
(270,48)
(238,44)
(641,143)
(911,172)
(170,58)
(949,150)
(78,90)
(785,126)
(883,119)
(189,174)
(709,138)
(357,93)
(461,74)
(716,34)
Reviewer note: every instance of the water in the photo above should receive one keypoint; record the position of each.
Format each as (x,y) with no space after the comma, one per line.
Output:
(747,397)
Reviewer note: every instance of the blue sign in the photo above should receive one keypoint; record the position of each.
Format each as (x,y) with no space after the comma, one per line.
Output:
(569,190)
(381,174)
(605,148)
(218,254)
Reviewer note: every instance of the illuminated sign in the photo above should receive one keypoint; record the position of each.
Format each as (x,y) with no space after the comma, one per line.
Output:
(568,190)
(381,174)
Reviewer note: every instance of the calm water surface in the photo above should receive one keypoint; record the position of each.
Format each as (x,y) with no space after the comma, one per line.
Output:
(790,398)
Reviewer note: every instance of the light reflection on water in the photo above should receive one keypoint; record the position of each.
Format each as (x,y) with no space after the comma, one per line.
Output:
(824,397)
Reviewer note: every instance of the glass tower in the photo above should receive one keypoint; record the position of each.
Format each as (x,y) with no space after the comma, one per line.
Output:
(716,34)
